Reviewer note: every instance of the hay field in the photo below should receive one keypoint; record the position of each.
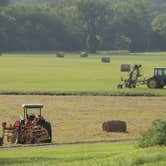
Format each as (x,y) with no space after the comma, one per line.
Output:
(80,118)
(74,75)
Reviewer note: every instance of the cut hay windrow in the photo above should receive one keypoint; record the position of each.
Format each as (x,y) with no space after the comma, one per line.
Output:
(81,93)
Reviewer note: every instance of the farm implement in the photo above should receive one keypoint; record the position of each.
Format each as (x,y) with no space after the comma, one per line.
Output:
(30,129)
(158,80)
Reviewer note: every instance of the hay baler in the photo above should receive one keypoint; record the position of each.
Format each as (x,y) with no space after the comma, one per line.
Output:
(134,76)
(30,129)
(158,80)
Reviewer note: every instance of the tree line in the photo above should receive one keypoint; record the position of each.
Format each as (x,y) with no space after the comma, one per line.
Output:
(83,25)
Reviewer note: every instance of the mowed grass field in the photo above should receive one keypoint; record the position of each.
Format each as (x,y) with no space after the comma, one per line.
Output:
(75,75)
(117,154)
(80,118)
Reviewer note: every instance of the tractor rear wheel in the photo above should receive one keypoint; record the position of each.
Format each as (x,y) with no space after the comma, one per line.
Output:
(48,127)
(152,83)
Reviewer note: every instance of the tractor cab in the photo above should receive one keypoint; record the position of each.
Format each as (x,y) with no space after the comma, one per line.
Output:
(159,78)
(160,72)
(31,116)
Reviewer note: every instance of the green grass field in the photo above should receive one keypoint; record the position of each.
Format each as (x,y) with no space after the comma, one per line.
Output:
(80,118)
(72,74)
(117,154)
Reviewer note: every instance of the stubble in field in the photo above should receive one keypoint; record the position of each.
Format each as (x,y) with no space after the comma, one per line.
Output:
(80,118)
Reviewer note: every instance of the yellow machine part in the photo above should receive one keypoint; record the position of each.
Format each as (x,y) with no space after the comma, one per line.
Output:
(9,136)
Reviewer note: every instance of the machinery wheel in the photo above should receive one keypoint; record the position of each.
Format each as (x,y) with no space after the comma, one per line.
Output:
(33,140)
(1,141)
(152,83)
(120,86)
(48,127)
(161,86)
(133,86)
(16,138)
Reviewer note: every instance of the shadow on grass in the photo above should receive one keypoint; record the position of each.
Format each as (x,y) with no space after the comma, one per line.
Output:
(47,160)
(23,161)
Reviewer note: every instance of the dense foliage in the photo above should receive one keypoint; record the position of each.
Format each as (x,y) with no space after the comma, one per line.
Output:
(92,25)
(156,135)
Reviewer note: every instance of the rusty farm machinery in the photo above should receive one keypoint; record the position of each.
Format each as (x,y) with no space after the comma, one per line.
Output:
(30,129)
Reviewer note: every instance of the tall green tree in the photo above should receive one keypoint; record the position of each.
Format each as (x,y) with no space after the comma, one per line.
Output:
(94,16)
(131,20)
(159,25)
(4,2)
(159,28)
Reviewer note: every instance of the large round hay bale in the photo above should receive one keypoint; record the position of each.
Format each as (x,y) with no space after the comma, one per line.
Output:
(84,54)
(125,67)
(115,126)
(60,54)
(105,59)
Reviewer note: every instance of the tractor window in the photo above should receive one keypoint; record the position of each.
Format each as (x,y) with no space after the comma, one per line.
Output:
(155,72)
(164,72)
(160,72)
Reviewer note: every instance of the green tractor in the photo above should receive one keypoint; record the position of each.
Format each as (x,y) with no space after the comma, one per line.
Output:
(159,78)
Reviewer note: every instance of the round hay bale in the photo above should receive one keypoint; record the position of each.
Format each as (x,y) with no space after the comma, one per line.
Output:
(60,54)
(105,59)
(84,54)
(125,67)
(114,126)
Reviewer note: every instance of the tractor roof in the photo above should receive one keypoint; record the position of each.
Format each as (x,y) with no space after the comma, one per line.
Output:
(31,106)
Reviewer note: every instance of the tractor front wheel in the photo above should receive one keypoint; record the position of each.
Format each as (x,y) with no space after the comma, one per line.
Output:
(48,127)
(162,86)
(152,83)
